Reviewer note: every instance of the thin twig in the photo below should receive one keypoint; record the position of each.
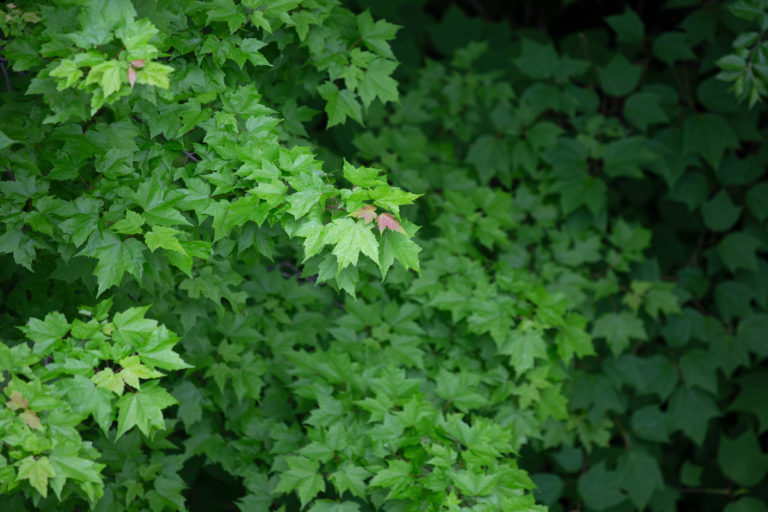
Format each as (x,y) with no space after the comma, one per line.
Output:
(5,74)
(191,156)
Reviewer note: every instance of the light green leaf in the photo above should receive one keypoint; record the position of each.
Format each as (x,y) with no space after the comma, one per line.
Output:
(132,370)
(108,379)
(130,225)
(37,471)
(349,239)
(164,237)
(155,74)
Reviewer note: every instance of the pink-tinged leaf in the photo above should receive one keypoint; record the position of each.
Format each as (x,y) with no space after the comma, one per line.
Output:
(367,212)
(387,221)
(17,402)
(138,63)
(31,419)
(131,76)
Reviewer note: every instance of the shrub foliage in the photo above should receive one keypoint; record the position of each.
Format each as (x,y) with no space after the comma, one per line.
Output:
(245,267)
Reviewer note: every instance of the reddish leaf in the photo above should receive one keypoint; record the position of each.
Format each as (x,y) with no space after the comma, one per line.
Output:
(131,76)
(17,402)
(387,221)
(138,63)
(31,419)
(367,212)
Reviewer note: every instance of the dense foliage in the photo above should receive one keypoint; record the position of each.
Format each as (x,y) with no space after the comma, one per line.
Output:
(202,208)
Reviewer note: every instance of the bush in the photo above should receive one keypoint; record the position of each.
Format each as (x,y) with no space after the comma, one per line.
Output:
(203,205)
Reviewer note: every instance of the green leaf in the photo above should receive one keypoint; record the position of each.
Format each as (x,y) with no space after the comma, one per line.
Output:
(378,83)
(671,47)
(397,475)
(643,109)
(108,75)
(628,26)
(640,476)
(746,505)
(132,370)
(753,397)
(115,258)
(618,329)
(350,238)
(363,176)
(573,339)
(752,331)
(334,506)
(163,237)
(600,488)
(742,460)
(130,225)
(624,157)
(538,61)
(651,424)
(396,246)
(738,250)
(699,369)
(340,104)
(86,398)
(523,348)
(190,403)
(757,201)
(143,409)
(458,389)
(690,410)
(350,477)
(471,483)
(37,471)
(304,477)
(5,141)
(720,214)
(619,77)
(708,135)
(490,156)
(46,333)
(75,468)
(733,300)
(376,34)
(108,379)
(155,74)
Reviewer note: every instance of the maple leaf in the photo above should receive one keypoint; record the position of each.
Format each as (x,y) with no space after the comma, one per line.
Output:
(16,402)
(31,419)
(387,221)
(131,76)
(367,213)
